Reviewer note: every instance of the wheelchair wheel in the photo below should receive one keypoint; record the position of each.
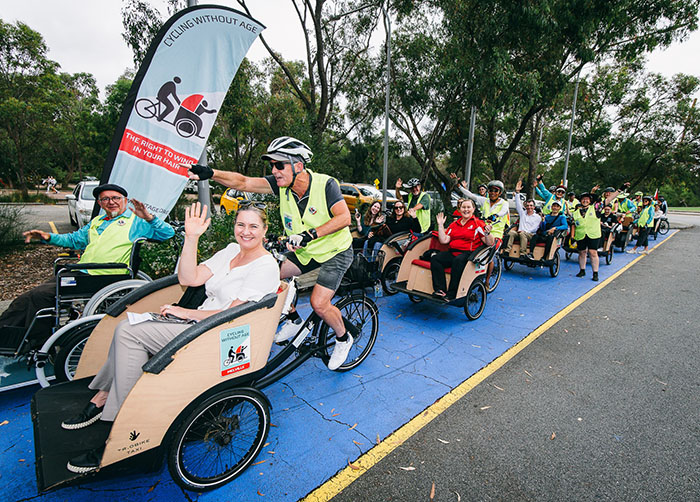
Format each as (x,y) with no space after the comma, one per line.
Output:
(496,273)
(554,267)
(389,274)
(71,346)
(219,439)
(108,295)
(362,313)
(609,256)
(664,227)
(475,300)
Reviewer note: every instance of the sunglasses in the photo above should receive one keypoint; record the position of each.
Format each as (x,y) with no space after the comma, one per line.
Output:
(256,204)
(279,165)
(399,207)
(494,189)
(116,198)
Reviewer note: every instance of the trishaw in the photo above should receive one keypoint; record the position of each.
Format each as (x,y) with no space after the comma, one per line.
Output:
(414,277)
(551,261)
(194,403)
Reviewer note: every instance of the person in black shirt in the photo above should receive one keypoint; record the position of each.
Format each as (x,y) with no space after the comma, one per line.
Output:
(398,221)
(607,221)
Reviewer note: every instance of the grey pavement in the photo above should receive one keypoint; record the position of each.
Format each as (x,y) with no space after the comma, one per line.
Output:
(603,406)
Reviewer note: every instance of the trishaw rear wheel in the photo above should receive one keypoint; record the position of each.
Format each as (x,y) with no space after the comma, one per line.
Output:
(389,275)
(475,301)
(495,277)
(664,227)
(554,267)
(362,313)
(219,439)
(609,256)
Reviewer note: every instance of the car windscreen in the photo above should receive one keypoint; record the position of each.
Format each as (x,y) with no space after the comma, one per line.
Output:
(87,191)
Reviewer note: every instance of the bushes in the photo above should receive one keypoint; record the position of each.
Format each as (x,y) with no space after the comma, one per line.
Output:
(17,196)
(11,221)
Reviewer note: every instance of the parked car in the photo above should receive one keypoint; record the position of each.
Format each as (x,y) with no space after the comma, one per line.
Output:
(230,199)
(523,198)
(81,202)
(357,195)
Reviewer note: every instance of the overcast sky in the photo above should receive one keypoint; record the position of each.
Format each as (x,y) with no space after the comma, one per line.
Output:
(85,35)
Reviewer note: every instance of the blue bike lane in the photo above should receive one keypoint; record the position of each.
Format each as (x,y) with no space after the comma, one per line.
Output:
(323,421)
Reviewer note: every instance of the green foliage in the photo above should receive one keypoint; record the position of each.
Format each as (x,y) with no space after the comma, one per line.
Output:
(17,197)
(11,223)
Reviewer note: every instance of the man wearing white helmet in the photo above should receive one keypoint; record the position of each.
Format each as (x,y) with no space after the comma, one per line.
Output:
(316,220)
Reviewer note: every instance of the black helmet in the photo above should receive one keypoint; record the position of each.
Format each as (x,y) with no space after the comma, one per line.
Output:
(609,189)
(570,194)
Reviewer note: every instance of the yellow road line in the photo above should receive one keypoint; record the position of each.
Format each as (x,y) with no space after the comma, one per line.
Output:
(53,227)
(342,479)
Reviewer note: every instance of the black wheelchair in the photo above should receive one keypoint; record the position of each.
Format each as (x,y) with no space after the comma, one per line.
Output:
(54,333)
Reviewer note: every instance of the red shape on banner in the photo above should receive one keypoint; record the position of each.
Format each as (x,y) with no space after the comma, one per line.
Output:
(192,102)
(153,152)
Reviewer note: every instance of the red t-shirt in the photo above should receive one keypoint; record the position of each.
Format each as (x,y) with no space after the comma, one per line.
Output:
(465,237)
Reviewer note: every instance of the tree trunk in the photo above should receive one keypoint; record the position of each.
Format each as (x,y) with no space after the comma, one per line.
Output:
(535,128)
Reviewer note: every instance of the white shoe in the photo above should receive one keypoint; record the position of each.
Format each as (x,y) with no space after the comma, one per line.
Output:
(340,353)
(631,251)
(287,331)
(644,252)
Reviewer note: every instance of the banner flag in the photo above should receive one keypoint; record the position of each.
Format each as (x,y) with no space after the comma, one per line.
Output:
(174,100)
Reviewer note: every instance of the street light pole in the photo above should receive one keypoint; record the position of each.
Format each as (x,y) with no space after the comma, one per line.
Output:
(571,131)
(470,148)
(203,192)
(387,27)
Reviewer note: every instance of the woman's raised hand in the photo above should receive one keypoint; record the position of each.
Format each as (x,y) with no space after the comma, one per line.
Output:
(196,221)
(441,219)
(518,186)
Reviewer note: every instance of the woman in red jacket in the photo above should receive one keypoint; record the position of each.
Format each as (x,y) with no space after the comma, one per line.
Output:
(464,236)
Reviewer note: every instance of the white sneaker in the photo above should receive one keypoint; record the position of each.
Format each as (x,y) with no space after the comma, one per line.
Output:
(631,251)
(340,353)
(287,331)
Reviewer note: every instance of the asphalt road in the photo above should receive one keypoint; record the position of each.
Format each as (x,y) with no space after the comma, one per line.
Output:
(603,406)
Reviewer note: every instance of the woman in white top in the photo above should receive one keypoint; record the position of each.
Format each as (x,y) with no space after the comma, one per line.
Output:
(241,272)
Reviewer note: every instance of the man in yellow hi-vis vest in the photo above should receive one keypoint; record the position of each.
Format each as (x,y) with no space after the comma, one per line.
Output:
(315,218)
(108,238)
(418,203)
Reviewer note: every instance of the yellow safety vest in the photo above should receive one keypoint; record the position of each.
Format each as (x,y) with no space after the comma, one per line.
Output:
(316,214)
(646,219)
(111,246)
(422,215)
(500,224)
(571,205)
(547,208)
(587,225)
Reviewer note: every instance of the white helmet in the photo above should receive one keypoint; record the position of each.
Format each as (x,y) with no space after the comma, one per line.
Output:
(284,147)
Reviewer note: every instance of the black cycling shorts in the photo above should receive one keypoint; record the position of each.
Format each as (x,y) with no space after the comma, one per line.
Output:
(588,243)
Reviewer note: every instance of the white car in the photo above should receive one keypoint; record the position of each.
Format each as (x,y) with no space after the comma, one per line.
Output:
(81,202)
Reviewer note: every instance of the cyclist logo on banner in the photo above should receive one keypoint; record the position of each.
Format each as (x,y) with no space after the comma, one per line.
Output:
(235,349)
(186,115)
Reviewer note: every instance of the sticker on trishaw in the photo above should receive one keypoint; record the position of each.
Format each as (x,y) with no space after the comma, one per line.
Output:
(234,349)
(481,268)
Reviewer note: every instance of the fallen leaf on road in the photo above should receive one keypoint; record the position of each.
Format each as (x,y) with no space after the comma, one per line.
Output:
(261,462)
(378,440)
(271,452)
(4,422)
(432,493)
(332,410)
(260,494)
(410,468)
(443,441)
(477,346)
(359,444)
(353,466)
(351,428)
(335,414)
(497,387)
(459,499)
(527,372)
(21,460)
(484,408)
(554,434)
(153,487)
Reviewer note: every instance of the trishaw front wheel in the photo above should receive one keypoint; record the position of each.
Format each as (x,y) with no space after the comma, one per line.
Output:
(219,439)
(71,346)
(475,301)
